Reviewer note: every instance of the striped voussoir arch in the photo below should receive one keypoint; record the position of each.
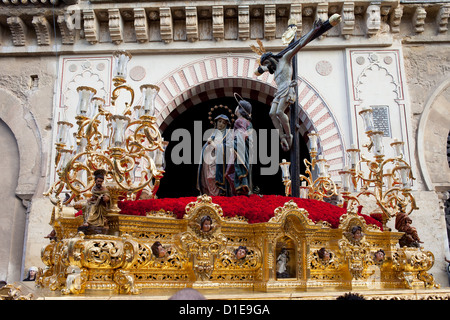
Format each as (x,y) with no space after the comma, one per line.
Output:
(221,76)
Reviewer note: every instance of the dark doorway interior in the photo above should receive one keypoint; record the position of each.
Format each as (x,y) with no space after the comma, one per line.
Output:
(180,180)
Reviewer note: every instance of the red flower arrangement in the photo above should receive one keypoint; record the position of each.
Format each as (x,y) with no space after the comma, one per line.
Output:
(255,208)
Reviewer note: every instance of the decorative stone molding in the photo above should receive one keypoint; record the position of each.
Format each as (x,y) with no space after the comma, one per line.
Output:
(38,2)
(395,19)
(362,21)
(348,19)
(18,30)
(140,25)
(91,26)
(244,22)
(322,13)
(296,14)
(43,29)
(442,18)
(426,121)
(25,2)
(191,24)
(419,19)
(270,21)
(373,20)
(165,15)
(115,26)
(218,23)
(67,28)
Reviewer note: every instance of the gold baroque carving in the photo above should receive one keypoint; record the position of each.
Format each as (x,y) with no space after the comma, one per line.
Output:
(206,259)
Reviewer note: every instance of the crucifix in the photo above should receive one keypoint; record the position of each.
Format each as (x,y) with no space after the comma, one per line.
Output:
(284,68)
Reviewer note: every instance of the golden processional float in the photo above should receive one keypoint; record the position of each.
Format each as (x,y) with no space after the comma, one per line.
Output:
(289,251)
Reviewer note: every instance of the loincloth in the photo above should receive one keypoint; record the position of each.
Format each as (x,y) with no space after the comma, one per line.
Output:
(288,92)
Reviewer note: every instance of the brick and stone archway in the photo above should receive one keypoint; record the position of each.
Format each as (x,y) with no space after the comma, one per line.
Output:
(220,76)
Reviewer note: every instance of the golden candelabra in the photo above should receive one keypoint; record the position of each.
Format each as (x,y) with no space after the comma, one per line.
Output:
(122,144)
(319,184)
(388,180)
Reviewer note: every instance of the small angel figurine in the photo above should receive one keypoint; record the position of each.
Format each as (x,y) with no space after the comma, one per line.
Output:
(378,256)
(158,250)
(357,233)
(324,255)
(241,252)
(206,224)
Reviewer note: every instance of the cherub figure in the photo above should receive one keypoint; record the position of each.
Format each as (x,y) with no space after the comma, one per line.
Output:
(378,256)
(159,250)
(241,252)
(206,224)
(280,65)
(357,233)
(324,255)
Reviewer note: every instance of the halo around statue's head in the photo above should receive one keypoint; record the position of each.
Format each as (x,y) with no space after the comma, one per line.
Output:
(245,107)
(214,111)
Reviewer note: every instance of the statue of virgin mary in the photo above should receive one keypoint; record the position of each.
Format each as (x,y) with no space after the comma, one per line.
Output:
(215,159)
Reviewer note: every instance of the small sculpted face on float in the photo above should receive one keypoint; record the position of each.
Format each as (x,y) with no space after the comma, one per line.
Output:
(324,255)
(206,224)
(241,252)
(379,256)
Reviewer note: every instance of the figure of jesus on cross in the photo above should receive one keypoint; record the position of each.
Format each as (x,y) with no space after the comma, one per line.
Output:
(280,65)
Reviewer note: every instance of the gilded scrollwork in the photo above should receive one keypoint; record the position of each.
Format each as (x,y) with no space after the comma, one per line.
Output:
(14,292)
(413,264)
(232,253)
(228,260)
(75,281)
(203,250)
(324,259)
(125,281)
(357,256)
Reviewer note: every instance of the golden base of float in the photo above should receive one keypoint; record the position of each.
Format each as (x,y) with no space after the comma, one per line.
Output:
(123,263)
(28,291)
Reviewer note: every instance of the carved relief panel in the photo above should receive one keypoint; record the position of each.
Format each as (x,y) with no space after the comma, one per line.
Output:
(92,71)
(376,80)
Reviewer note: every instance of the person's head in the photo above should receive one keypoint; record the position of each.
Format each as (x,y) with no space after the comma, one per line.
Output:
(379,255)
(221,122)
(269,60)
(32,272)
(357,232)
(351,296)
(99,177)
(158,250)
(324,254)
(244,109)
(187,294)
(206,224)
(241,252)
